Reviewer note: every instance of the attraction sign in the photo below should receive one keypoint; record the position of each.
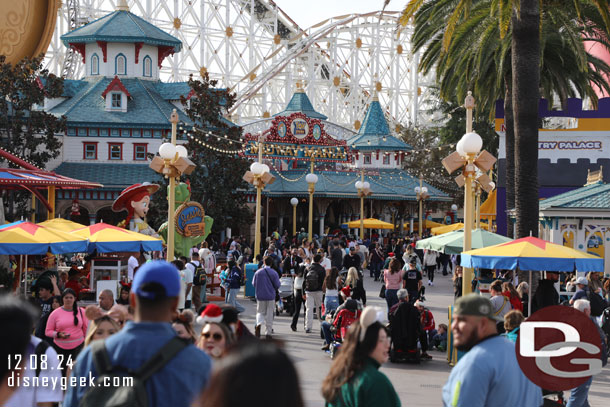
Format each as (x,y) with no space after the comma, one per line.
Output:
(298,137)
(190,219)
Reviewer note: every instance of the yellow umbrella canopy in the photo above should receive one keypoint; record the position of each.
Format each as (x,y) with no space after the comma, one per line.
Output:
(64,225)
(441,230)
(370,223)
(428,224)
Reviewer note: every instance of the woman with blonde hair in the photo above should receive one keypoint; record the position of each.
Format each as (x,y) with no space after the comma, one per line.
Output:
(101,328)
(354,282)
(523,290)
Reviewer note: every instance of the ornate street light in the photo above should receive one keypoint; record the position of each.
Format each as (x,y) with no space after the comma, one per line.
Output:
(294,202)
(311,179)
(172,162)
(258,176)
(421,193)
(364,190)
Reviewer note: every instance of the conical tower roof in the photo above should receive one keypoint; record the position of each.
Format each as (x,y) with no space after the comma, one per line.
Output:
(301,103)
(374,134)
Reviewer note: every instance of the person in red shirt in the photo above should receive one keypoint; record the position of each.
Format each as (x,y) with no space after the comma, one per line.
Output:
(508,290)
(73,277)
(427,322)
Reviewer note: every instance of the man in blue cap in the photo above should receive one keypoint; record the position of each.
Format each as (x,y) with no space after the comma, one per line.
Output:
(154,297)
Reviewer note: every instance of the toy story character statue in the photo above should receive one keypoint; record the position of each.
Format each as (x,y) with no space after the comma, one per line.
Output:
(136,200)
(183,244)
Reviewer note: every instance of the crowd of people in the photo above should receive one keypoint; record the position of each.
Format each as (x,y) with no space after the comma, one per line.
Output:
(163,313)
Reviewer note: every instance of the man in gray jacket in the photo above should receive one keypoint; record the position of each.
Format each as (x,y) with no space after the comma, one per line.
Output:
(266,282)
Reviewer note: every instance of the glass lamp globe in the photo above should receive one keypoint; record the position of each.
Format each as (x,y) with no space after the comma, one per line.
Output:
(294,202)
(265,168)
(417,190)
(454,207)
(472,143)
(459,147)
(358,184)
(256,168)
(311,178)
(182,151)
(424,190)
(167,151)
(366,185)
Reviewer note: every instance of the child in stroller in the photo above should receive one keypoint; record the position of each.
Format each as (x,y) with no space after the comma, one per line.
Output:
(344,316)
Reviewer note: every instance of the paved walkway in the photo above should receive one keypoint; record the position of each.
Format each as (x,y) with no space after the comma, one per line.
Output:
(418,385)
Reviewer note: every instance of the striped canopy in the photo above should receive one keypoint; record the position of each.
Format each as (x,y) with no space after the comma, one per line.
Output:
(22,237)
(110,239)
(64,225)
(531,253)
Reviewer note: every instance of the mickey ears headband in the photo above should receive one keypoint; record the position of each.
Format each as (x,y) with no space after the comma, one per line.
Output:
(369,316)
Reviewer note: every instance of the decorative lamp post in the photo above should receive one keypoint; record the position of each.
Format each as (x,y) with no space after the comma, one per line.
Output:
(258,176)
(421,192)
(454,209)
(467,156)
(172,162)
(311,179)
(294,202)
(364,190)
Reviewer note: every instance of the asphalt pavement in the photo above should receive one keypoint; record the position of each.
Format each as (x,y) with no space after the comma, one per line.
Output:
(417,385)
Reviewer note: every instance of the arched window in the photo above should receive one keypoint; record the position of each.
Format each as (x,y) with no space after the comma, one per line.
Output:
(95,65)
(147,62)
(120,65)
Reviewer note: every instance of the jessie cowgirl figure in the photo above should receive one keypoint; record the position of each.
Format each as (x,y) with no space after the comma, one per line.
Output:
(136,200)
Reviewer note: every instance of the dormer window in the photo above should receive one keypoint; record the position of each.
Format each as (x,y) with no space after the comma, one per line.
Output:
(120,65)
(115,100)
(95,65)
(147,62)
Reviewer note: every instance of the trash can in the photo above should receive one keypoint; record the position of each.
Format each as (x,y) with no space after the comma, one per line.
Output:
(250,270)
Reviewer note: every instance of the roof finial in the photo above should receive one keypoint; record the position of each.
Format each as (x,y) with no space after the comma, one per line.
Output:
(299,86)
(376,96)
(121,5)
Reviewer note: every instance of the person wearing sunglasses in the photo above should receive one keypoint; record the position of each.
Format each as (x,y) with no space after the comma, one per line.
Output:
(215,339)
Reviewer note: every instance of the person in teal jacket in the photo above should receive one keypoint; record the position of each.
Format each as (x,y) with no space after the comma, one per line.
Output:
(354,379)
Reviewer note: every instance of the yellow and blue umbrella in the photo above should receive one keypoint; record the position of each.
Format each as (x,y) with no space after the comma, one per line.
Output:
(26,238)
(111,239)
(533,254)
(64,225)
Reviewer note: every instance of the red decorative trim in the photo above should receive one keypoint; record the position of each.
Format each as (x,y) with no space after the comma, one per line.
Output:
(80,48)
(377,155)
(163,52)
(104,46)
(116,84)
(145,151)
(85,144)
(138,48)
(191,94)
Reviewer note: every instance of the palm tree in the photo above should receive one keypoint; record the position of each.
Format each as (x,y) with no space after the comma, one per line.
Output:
(472,44)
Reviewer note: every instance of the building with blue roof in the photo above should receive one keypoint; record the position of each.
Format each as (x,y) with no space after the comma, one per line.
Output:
(373,154)
(580,218)
(118,113)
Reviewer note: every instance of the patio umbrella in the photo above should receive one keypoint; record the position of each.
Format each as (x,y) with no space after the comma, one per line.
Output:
(109,239)
(27,238)
(440,230)
(64,225)
(428,224)
(370,223)
(531,254)
(453,242)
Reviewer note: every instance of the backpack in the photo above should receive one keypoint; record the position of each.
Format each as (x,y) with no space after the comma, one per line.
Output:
(235,276)
(125,396)
(199,276)
(598,304)
(312,279)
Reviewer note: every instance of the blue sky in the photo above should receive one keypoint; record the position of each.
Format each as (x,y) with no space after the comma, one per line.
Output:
(309,12)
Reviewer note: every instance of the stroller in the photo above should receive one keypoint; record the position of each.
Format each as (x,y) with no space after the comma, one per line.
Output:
(405,330)
(286,293)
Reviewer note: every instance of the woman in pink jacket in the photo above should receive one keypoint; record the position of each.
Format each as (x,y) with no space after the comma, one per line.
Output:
(392,278)
(67,325)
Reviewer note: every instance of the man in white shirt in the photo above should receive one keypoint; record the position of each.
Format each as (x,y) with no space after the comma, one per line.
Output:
(189,272)
(132,264)
(325,260)
(35,394)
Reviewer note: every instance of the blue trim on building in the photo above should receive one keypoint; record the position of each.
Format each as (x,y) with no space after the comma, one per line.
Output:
(116,63)
(146,60)
(95,63)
